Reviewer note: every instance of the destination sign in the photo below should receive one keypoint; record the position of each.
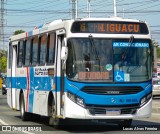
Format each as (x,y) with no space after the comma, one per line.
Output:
(109,27)
(93,75)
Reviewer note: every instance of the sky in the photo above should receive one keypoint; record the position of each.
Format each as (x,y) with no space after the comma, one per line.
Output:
(26,14)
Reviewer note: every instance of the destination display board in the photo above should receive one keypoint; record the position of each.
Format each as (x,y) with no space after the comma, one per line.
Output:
(109,27)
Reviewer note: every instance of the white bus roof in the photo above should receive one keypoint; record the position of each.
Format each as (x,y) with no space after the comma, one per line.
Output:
(110,19)
(59,24)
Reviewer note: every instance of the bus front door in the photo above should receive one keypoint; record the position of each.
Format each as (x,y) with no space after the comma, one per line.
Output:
(59,74)
(12,90)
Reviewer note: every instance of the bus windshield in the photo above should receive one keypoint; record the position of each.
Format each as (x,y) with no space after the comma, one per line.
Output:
(100,60)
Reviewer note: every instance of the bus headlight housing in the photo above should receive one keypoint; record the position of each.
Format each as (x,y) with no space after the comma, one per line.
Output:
(71,96)
(78,100)
(145,99)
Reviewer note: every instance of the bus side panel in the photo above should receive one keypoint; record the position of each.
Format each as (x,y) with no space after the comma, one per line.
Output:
(8,80)
(21,84)
(8,87)
(38,90)
(40,104)
(17,99)
(11,92)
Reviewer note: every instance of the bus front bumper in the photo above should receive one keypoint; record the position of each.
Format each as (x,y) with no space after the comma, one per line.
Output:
(75,111)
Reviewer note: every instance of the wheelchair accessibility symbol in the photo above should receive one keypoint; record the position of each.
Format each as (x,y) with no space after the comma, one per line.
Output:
(119,76)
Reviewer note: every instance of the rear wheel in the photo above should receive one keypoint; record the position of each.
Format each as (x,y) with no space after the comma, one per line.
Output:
(24,115)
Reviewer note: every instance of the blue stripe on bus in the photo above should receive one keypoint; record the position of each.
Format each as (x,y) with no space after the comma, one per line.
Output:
(38,83)
(108,99)
(44,84)
(112,99)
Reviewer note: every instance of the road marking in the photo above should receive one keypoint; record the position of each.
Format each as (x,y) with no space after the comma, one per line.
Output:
(2,122)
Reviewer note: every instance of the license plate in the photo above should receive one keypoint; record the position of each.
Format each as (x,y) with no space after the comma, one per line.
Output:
(112,112)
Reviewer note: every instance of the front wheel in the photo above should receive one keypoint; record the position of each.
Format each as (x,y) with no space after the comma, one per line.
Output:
(53,120)
(24,115)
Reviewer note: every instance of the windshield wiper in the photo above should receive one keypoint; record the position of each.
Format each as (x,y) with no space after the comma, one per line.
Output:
(94,50)
(126,51)
(93,46)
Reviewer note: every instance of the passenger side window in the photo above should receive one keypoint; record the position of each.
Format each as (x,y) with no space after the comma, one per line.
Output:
(20,54)
(27,52)
(34,51)
(51,48)
(43,45)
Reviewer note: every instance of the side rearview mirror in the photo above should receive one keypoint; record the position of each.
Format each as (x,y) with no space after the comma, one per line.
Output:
(64,53)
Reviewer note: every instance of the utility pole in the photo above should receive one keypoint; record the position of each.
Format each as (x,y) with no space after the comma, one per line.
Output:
(115,8)
(76,8)
(88,8)
(2,10)
(73,9)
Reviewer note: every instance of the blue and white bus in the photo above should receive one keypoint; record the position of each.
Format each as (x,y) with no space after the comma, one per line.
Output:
(90,68)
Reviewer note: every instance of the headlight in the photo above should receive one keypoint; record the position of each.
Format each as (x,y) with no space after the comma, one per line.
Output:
(76,99)
(149,96)
(71,96)
(80,101)
(145,99)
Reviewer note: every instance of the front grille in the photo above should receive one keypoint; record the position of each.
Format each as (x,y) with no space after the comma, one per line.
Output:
(112,90)
(101,110)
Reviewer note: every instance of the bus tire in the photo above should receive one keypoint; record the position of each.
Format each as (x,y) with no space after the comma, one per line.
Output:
(24,115)
(53,120)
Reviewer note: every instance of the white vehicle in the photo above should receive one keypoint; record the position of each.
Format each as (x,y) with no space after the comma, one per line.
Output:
(156,87)
(66,70)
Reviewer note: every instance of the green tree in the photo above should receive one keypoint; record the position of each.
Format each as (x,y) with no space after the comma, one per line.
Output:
(3,64)
(3,60)
(18,32)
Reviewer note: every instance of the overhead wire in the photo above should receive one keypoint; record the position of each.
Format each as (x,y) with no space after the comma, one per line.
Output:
(36,10)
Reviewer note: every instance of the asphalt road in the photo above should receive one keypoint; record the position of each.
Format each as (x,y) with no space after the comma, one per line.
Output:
(12,118)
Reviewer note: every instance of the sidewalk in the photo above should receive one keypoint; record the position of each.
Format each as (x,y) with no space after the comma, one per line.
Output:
(155,107)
